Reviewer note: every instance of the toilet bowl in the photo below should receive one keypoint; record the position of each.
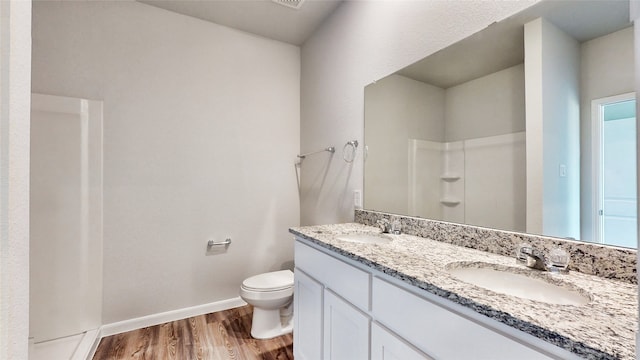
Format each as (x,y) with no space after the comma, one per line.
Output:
(271,295)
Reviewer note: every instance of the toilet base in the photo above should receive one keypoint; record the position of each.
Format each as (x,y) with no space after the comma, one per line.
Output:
(266,324)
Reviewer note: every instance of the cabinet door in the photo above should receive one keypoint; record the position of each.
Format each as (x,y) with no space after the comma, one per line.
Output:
(307,312)
(387,346)
(346,330)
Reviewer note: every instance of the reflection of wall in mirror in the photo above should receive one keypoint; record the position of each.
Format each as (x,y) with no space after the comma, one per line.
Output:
(397,109)
(433,122)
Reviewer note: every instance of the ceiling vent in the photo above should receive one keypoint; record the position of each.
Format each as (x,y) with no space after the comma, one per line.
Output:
(293,4)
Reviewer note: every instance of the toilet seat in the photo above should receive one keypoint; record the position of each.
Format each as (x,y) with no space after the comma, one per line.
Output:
(271,281)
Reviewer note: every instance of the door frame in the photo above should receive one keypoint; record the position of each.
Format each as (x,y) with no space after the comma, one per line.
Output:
(597,122)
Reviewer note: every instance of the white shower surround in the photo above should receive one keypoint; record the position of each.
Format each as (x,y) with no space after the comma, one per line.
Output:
(475,181)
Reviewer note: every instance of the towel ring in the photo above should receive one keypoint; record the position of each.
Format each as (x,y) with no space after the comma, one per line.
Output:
(349,151)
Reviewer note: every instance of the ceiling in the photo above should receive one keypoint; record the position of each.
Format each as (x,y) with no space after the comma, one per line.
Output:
(260,17)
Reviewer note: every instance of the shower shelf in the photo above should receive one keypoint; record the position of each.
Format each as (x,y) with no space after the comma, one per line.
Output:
(449,202)
(450,177)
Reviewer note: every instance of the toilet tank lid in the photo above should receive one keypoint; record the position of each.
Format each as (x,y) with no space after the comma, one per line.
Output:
(271,281)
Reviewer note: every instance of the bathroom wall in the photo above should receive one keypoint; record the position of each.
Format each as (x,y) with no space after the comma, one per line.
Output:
(487,106)
(552,63)
(362,42)
(606,69)
(15,78)
(200,137)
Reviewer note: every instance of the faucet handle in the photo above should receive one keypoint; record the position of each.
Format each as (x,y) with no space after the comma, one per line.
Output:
(396,227)
(521,252)
(558,260)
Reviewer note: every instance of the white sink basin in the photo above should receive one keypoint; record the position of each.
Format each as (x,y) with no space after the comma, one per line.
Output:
(509,282)
(366,238)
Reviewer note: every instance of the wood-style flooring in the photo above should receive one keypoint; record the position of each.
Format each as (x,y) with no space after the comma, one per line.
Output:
(220,335)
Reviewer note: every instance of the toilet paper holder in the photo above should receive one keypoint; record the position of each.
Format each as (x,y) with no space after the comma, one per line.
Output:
(212,243)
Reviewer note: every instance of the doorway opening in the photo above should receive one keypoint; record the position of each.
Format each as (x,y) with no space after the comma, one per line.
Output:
(615,192)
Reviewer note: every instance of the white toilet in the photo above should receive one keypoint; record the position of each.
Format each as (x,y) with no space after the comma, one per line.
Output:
(271,295)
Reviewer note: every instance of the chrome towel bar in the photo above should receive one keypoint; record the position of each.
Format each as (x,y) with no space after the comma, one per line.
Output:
(330,149)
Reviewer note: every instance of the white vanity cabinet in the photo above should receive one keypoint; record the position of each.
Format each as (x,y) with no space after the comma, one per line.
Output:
(346,310)
(331,304)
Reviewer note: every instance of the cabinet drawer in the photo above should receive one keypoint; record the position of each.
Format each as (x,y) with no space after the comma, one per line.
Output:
(351,283)
(439,332)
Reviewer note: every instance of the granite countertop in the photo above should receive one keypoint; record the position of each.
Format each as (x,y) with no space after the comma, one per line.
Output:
(602,329)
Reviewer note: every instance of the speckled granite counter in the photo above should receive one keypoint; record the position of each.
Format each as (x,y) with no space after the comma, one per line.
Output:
(602,329)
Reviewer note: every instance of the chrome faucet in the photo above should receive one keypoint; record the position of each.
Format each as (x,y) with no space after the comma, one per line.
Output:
(384,225)
(534,258)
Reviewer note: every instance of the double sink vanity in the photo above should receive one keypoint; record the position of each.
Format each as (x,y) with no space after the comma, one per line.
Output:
(362,294)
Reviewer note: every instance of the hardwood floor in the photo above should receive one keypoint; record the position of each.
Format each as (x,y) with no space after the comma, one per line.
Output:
(220,335)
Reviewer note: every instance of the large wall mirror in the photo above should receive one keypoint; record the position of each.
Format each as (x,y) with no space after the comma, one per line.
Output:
(527,125)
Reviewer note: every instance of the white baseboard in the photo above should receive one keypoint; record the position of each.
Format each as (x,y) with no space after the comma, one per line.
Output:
(160,318)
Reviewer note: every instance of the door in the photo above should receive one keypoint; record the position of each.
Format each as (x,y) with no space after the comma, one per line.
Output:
(615,170)
(387,346)
(307,312)
(65,217)
(346,330)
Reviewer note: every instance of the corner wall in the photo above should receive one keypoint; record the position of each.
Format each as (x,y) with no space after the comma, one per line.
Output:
(201,129)
(362,42)
(552,62)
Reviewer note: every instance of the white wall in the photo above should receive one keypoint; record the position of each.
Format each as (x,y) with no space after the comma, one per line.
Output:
(487,106)
(362,42)
(201,126)
(397,109)
(15,79)
(606,69)
(552,89)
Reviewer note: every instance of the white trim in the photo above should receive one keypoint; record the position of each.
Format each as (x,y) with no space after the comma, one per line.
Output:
(160,318)
(596,158)
(88,345)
